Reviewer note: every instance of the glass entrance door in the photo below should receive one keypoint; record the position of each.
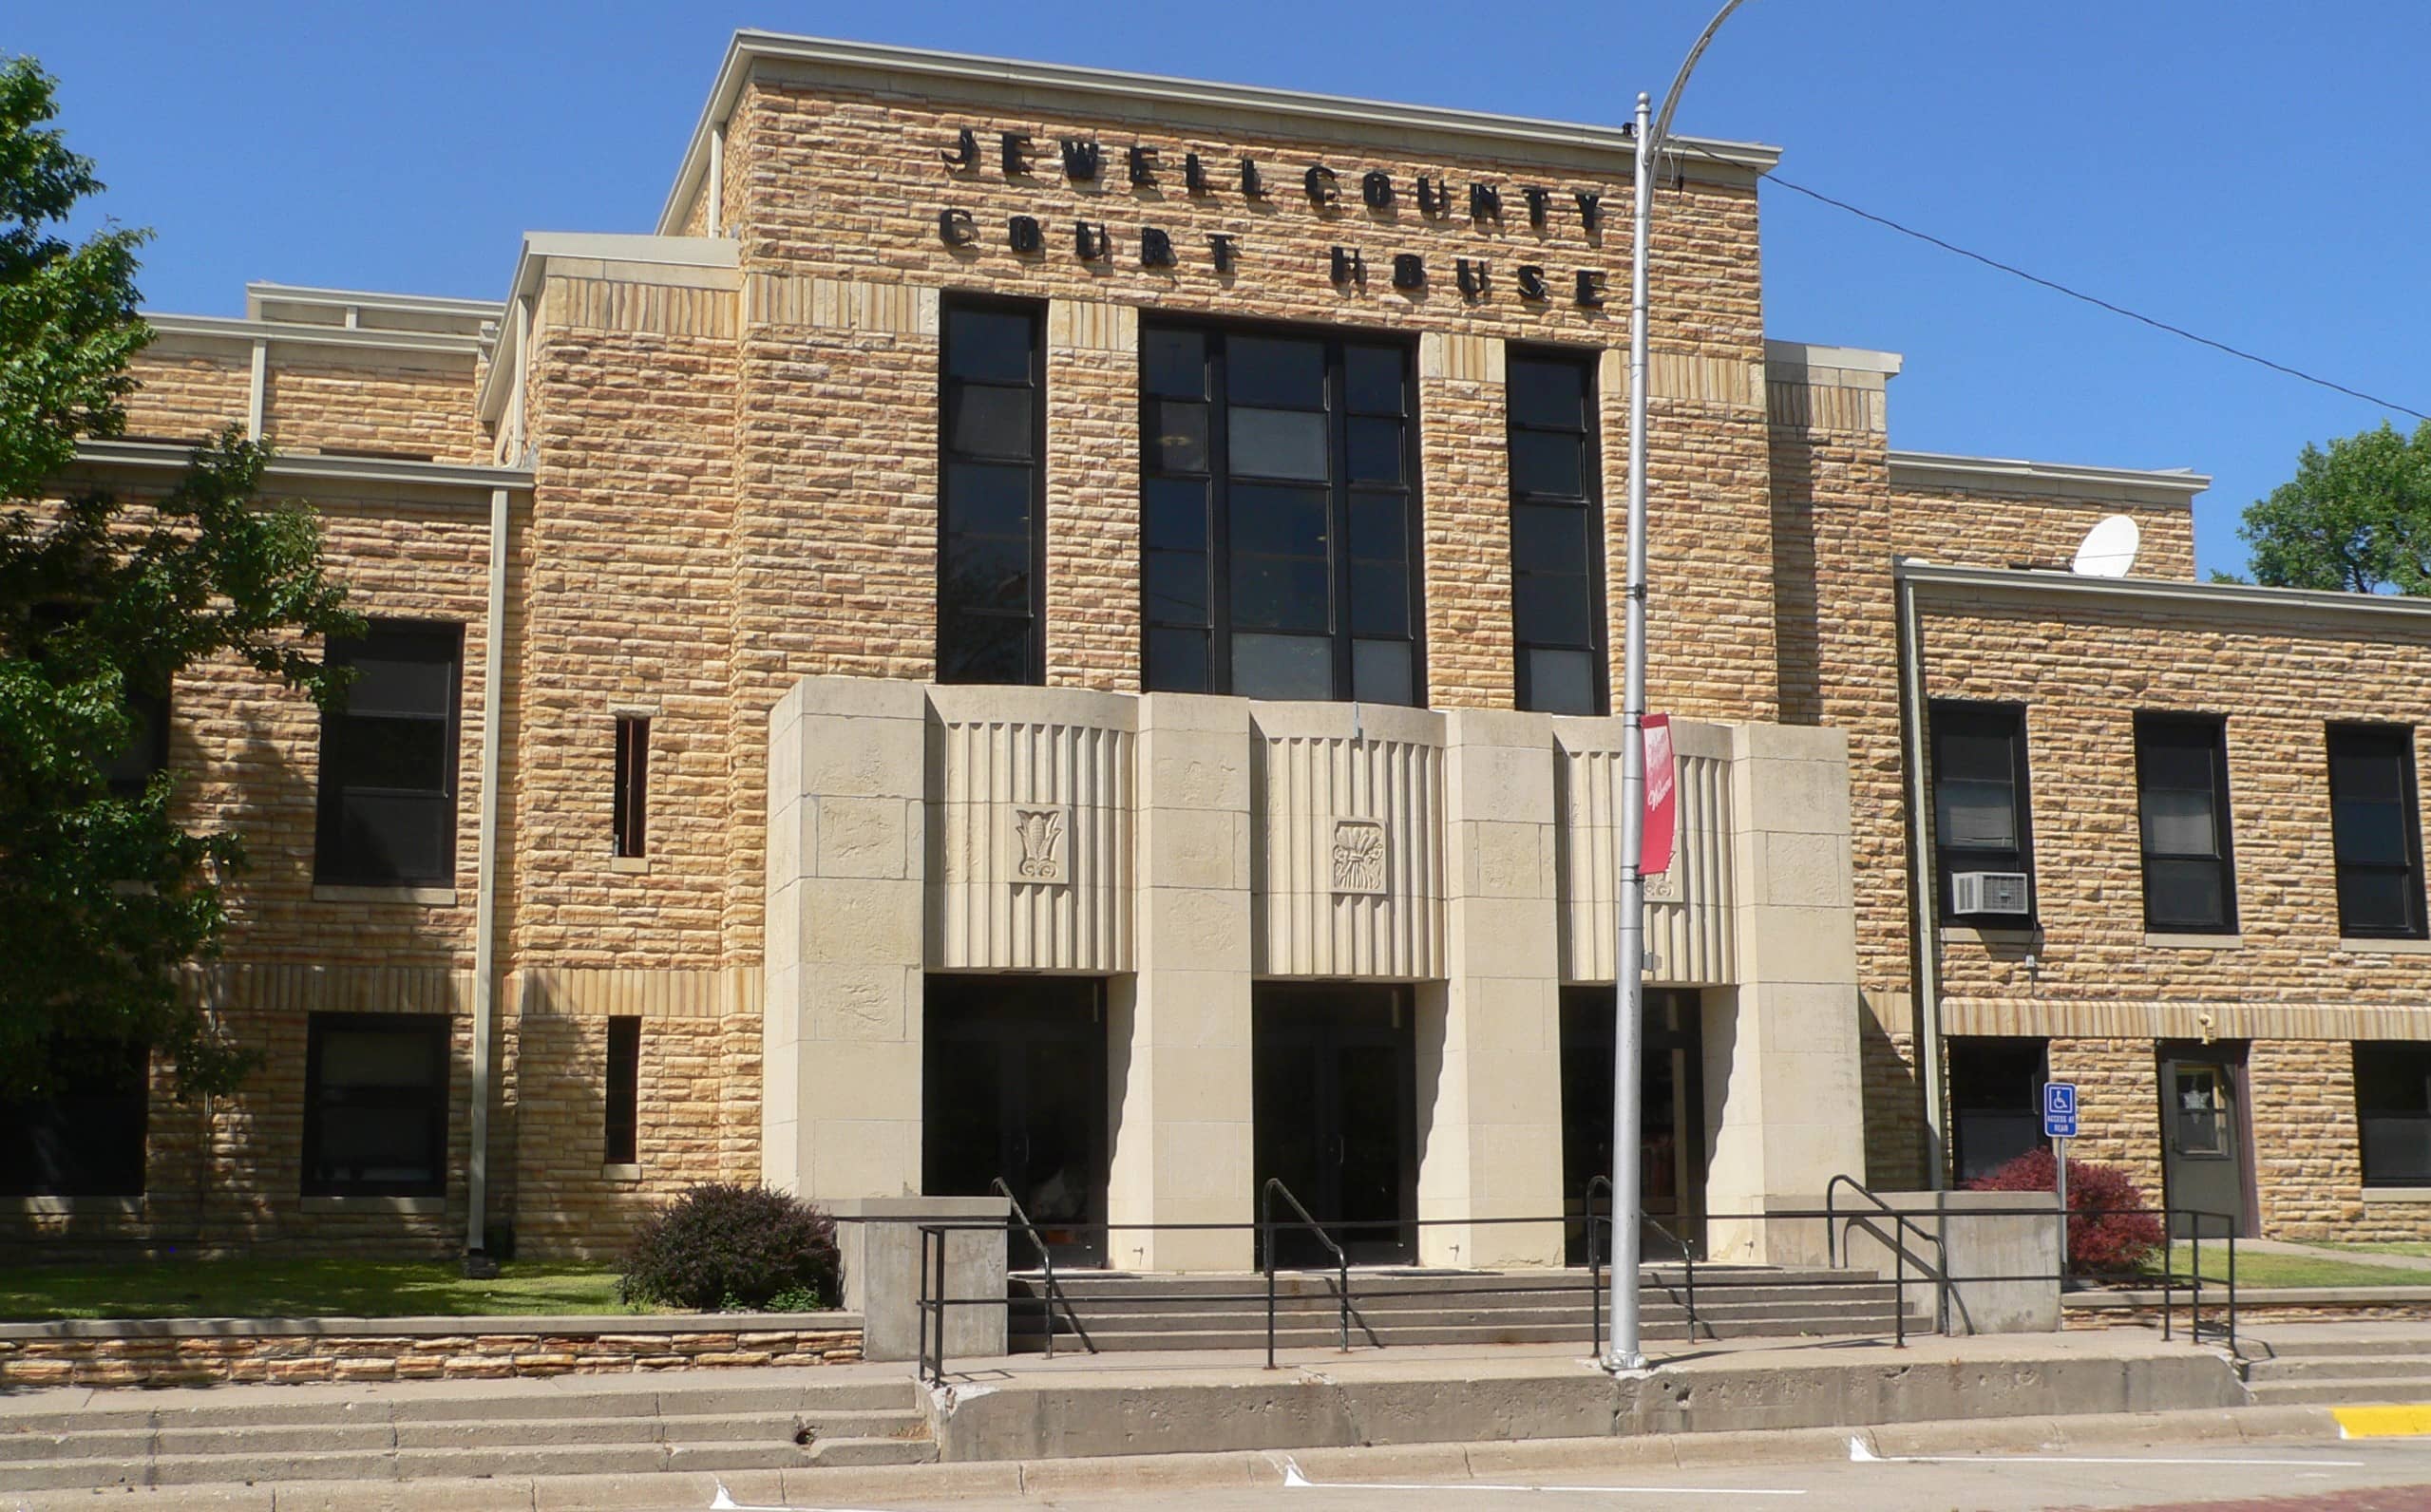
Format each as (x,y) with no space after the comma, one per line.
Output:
(1014,1083)
(1334,1072)
(1671,1111)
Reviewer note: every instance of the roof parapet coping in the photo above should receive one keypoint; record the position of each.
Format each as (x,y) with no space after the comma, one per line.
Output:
(531,267)
(2143,486)
(2163,593)
(898,68)
(1799,355)
(260,291)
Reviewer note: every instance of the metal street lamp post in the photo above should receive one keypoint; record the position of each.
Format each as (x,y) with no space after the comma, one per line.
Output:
(1629,954)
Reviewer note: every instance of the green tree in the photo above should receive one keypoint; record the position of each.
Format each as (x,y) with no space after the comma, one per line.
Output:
(2356,517)
(103,895)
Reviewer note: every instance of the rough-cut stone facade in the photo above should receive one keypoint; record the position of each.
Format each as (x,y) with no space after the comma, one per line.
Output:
(731,441)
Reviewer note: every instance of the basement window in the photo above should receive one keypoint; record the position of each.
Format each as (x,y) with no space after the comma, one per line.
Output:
(625,1089)
(375,1105)
(2393,1111)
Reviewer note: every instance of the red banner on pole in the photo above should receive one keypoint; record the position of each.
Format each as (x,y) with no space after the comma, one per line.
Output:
(1662,809)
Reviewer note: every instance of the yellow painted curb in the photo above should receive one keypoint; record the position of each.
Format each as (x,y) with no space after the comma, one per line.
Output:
(2412,1420)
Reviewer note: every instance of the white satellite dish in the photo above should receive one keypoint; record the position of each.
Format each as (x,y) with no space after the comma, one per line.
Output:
(2108,549)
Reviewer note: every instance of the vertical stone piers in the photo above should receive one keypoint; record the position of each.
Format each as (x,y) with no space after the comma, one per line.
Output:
(1782,1086)
(1489,1062)
(840,1105)
(1179,1044)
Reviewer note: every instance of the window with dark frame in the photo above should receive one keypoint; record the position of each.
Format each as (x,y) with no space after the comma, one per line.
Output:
(991,556)
(625,1089)
(388,764)
(2393,1111)
(375,1105)
(1556,534)
(2182,804)
(630,818)
(1996,1101)
(2374,834)
(146,752)
(1279,515)
(1981,804)
(83,1135)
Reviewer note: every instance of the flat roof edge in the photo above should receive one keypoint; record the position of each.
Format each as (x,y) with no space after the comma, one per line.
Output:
(258,290)
(750,45)
(1978,472)
(1819,354)
(303,468)
(252,327)
(2242,598)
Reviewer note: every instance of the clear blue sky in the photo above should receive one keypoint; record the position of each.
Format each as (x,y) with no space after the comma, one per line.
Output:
(2252,171)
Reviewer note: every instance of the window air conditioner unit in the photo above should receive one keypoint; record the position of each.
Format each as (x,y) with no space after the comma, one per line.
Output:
(1990,893)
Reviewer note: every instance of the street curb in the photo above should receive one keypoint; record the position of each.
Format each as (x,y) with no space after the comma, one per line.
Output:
(1237,1470)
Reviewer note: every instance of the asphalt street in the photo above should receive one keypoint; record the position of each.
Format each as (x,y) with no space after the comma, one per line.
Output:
(2384,1475)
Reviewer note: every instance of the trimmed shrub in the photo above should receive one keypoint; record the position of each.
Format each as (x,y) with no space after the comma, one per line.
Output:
(722,1247)
(2112,1241)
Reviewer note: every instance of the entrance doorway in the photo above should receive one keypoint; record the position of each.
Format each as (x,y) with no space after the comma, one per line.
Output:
(2203,1136)
(1014,1081)
(1335,1070)
(1671,1114)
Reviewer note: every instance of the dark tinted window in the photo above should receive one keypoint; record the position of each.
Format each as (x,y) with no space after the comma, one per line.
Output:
(1996,1102)
(2182,802)
(388,780)
(1276,499)
(83,1134)
(146,751)
(375,1105)
(1980,806)
(630,819)
(991,522)
(625,1089)
(1557,539)
(2373,831)
(2393,1111)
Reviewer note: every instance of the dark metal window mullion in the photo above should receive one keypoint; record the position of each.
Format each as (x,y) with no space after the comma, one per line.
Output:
(1218,372)
(1339,623)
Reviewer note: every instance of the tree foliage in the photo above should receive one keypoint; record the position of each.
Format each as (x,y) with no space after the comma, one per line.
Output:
(104,894)
(2356,517)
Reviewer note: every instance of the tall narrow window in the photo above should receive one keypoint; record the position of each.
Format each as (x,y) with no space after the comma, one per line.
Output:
(1278,517)
(1557,597)
(991,541)
(1980,810)
(375,1105)
(631,808)
(2373,831)
(388,797)
(625,1089)
(146,751)
(2182,795)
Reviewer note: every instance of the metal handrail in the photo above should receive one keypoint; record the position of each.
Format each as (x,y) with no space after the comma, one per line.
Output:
(1595,1261)
(1266,1196)
(1900,1258)
(1016,1218)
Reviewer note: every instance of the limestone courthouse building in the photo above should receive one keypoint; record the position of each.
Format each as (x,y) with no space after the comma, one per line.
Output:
(1059,626)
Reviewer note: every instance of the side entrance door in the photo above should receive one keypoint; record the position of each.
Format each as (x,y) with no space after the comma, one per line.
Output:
(1334,1072)
(2203,1137)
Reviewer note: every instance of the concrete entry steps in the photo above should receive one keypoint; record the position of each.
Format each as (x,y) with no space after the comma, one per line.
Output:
(1410,1306)
(2328,1364)
(624,1426)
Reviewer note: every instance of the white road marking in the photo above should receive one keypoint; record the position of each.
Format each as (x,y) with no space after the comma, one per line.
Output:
(1859,1454)
(1295,1480)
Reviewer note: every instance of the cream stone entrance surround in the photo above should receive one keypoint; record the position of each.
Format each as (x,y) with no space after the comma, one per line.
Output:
(1185,847)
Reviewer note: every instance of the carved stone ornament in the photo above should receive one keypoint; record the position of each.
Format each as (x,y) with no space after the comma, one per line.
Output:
(1040,849)
(1663,887)
(1358,856)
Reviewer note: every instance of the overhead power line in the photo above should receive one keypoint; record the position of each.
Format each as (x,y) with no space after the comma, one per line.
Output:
(2098,303)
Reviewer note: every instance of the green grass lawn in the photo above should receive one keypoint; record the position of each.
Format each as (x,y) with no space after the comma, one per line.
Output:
(2286,1270)
(2387,1247)
(301,1288)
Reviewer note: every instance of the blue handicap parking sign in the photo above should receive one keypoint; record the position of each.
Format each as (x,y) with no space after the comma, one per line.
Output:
(2059,1110)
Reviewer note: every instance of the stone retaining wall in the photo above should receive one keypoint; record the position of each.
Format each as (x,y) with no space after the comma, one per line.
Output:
(211,1351)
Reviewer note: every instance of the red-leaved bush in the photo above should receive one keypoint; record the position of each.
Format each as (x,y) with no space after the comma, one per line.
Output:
(2100,1238)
